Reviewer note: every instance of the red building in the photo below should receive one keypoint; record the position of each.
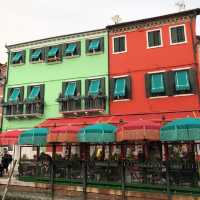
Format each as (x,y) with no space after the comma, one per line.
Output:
(154,67)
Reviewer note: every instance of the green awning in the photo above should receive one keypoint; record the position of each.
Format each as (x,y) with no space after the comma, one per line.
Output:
(182,80)
(17,56)
(97,133)
(35,136)
(70,48)
(36,54)
(120,87)
(94,44)
(52,52)
(70,89)
(94,87)
(15,95)
(34,93)
(157,83)
(186,129)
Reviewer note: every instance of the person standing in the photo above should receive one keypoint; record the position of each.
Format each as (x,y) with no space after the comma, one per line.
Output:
(6,160)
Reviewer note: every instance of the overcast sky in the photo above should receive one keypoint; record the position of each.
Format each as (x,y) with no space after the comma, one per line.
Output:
(25,20)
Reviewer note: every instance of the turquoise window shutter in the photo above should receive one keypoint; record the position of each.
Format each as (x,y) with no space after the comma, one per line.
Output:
(70,89)
(182,80)
(180,34)
(70,48)
(150,39)
(157,83)
(36,54)
(94,87)
(174,36)
(94,44)
(15,94)
(17,57)
(120,87)
(34,93)
(52,52)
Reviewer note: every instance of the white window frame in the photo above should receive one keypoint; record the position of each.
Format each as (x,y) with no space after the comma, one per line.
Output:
(185,34)
(147,38)
(113,46)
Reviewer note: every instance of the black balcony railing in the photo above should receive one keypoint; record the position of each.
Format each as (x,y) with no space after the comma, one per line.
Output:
(34,107)
(82,104)
(13,109)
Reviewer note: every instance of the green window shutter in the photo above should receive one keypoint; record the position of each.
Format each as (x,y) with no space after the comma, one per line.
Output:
(174,37)
(78,88)
(157,83)
(94,44)
(86,87)
(111,88)
(120,87)
(42,87)
(34,93)
(129,87)
(87,42)
(193,80)
(70,48)
(64,85)
(21,95)
(116,45)
(122,44)
(94,87)
(182,80)
(180,34)
(101,44)
(150,39)
(147,85)
(14,95)
(169,80)
(53,52)
(70,89)
(16,57)
(102,86)
(36,54)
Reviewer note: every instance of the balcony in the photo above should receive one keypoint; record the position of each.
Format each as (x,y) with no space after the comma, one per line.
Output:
(34,108)
(13,110)
(74,105)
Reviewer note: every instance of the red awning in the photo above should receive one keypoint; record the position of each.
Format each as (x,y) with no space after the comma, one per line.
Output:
(64,134)
(9,137)
(138,130)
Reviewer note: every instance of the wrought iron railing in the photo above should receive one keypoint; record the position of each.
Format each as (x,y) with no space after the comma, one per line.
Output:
(69,104)
(13,109)
(95,103)
(34,107)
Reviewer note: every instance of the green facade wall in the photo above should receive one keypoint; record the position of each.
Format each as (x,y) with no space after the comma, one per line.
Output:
(53,74)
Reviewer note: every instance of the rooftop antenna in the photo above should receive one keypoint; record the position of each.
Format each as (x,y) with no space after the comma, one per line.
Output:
(181,5)
(116,19)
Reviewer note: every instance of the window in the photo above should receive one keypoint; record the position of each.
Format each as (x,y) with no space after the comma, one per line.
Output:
(154,38)
(95,87)
(36,55)
(121,88)
(54,53)
(156,84)
(18,57)
(177,34)
(71,89)
(95,45)
(35,92)
(15,94)
(72,49)
(119,44)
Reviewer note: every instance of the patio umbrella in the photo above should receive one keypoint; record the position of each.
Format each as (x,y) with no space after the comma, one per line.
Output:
(138,130)
(98,133)
(63,134)
(185,129)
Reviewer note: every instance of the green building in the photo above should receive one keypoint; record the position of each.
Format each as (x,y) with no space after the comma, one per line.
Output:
(54,77)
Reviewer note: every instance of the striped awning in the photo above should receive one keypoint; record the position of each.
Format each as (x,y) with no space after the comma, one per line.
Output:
(9,137)
(35,136)
(97,133)
(63,134)
(138,130)
(185,129)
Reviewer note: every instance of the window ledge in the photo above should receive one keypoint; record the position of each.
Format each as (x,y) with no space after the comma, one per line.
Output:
(179,95)
(18,64)
(94,53)
(177,43)
(118,100)
(54,62)
(36,62)
(154,47)
(119,52)
(70,57)
(158,97)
